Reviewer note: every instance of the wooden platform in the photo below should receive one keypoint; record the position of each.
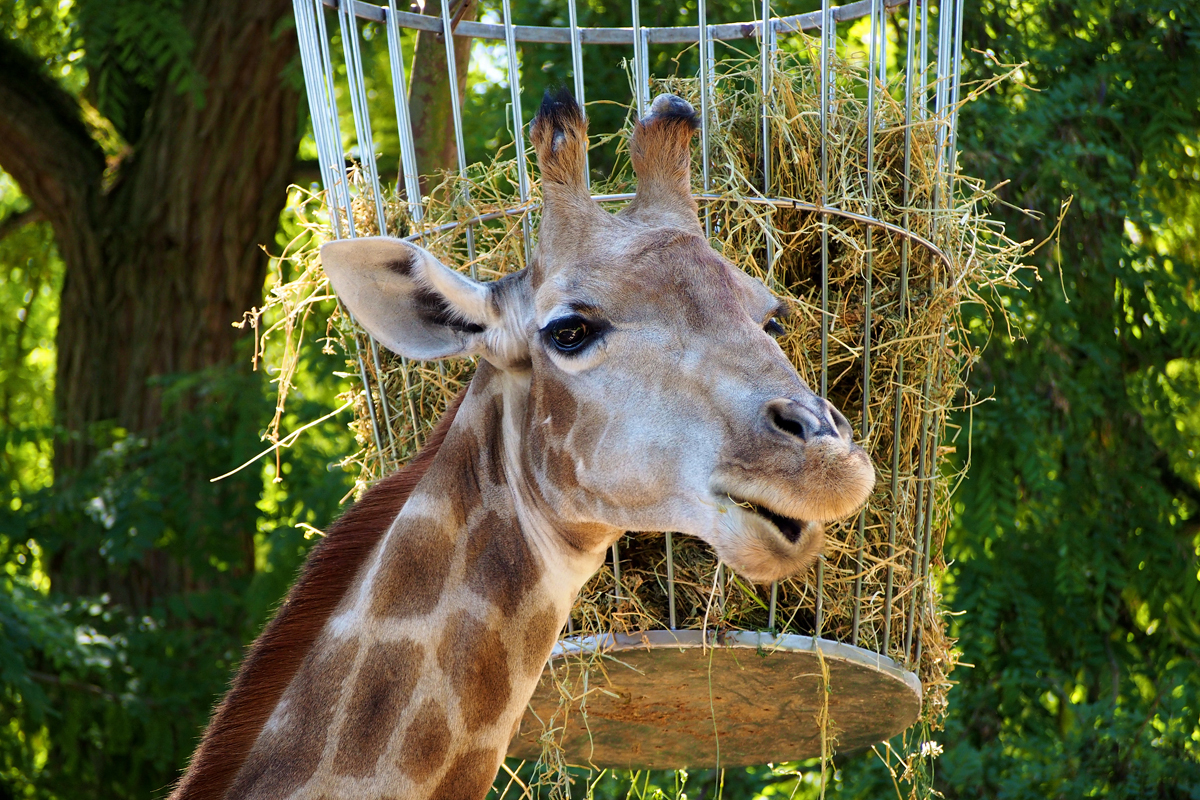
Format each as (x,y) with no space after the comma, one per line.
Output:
(662,700)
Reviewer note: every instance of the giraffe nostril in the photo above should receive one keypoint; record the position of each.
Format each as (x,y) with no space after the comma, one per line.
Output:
(792,418)
(840,423)
(787,425)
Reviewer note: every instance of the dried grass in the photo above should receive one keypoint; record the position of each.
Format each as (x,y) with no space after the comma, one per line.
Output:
(918,355)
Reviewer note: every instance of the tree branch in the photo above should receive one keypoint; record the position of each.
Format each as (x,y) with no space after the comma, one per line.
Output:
(44,143)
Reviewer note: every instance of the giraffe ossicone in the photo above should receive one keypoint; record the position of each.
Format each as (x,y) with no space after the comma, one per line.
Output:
(628,380)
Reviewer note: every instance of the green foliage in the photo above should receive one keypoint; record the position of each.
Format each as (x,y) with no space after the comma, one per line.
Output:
(30,274)
(130,47)
(107,676)
(1076,545)
(1076,539)
(108,679)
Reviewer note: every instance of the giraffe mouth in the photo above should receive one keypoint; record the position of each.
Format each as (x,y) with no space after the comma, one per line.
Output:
(788,527)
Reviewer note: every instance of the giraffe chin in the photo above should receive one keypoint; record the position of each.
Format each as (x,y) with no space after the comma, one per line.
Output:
(763,546)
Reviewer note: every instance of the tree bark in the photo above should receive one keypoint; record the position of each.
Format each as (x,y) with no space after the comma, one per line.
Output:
(162,256)
(429,95)
(160,265)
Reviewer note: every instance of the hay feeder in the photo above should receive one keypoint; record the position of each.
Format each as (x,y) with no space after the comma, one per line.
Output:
(836,183)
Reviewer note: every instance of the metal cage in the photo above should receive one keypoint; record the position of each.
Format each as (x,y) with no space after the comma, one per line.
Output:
(684,697)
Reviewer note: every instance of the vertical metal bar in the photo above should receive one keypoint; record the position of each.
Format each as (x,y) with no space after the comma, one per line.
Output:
(358,106)
(670,580)
(765,55)
(956,55)
(927,552)
(314,83)
(774,604)
(705,56)
(945,20)
(896,509)
(908,141)
(327,131)
(577,68)
(828,42)
(514,86)
(408,148)
(384,406)
(914,597)
(923,60)
(869,202)
(341,186)
(935,423)
(721,588)
(639,60)
(456,114)
(882,45)
(356,86)
(644,82)
(616,556)
(827,38)
(362,374)
(909,78)
(873,58)
(820,614)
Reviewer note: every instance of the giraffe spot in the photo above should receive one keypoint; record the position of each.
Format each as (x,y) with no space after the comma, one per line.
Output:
(541,633)
(557,402)
(382,691)
(413,572)
(473,657)
(466,494)
(284,758)
(500,565)
(425,743)
(560,469)
(493,466)
(469,777)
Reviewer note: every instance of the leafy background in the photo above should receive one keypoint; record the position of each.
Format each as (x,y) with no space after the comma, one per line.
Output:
(1075,548)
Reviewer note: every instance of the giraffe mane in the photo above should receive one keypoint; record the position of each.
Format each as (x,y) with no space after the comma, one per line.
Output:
(278,652)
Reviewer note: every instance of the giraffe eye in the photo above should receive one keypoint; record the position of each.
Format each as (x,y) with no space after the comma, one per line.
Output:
(773,327)
(569,334)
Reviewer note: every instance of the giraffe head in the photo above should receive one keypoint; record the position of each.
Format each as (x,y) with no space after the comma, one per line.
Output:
(642,386)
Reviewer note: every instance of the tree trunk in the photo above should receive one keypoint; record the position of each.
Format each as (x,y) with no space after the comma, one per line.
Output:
(161,261)
(429,96)
(171,255)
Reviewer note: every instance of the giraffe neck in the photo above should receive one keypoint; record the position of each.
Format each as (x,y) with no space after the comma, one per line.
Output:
(419,679)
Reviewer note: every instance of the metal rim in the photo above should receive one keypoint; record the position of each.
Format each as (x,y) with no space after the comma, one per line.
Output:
(665,699)
(728,32)
(760,641)
(777,202)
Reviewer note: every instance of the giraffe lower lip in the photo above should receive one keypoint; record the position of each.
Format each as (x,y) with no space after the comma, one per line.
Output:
(788,527)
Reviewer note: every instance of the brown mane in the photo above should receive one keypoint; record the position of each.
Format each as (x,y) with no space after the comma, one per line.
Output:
(277,653)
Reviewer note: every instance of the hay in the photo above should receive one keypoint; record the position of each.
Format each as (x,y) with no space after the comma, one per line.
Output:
(918,358)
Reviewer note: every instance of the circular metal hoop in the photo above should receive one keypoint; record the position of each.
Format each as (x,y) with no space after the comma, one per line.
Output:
(776,202)
(615,36)
(672,699)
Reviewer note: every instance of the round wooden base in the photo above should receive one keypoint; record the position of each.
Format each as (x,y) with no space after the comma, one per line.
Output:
(662,700)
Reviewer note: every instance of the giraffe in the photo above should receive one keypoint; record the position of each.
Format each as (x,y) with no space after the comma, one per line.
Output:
(628,379)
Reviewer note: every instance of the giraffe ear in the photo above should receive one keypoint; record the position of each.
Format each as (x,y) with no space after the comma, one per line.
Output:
(407,299)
